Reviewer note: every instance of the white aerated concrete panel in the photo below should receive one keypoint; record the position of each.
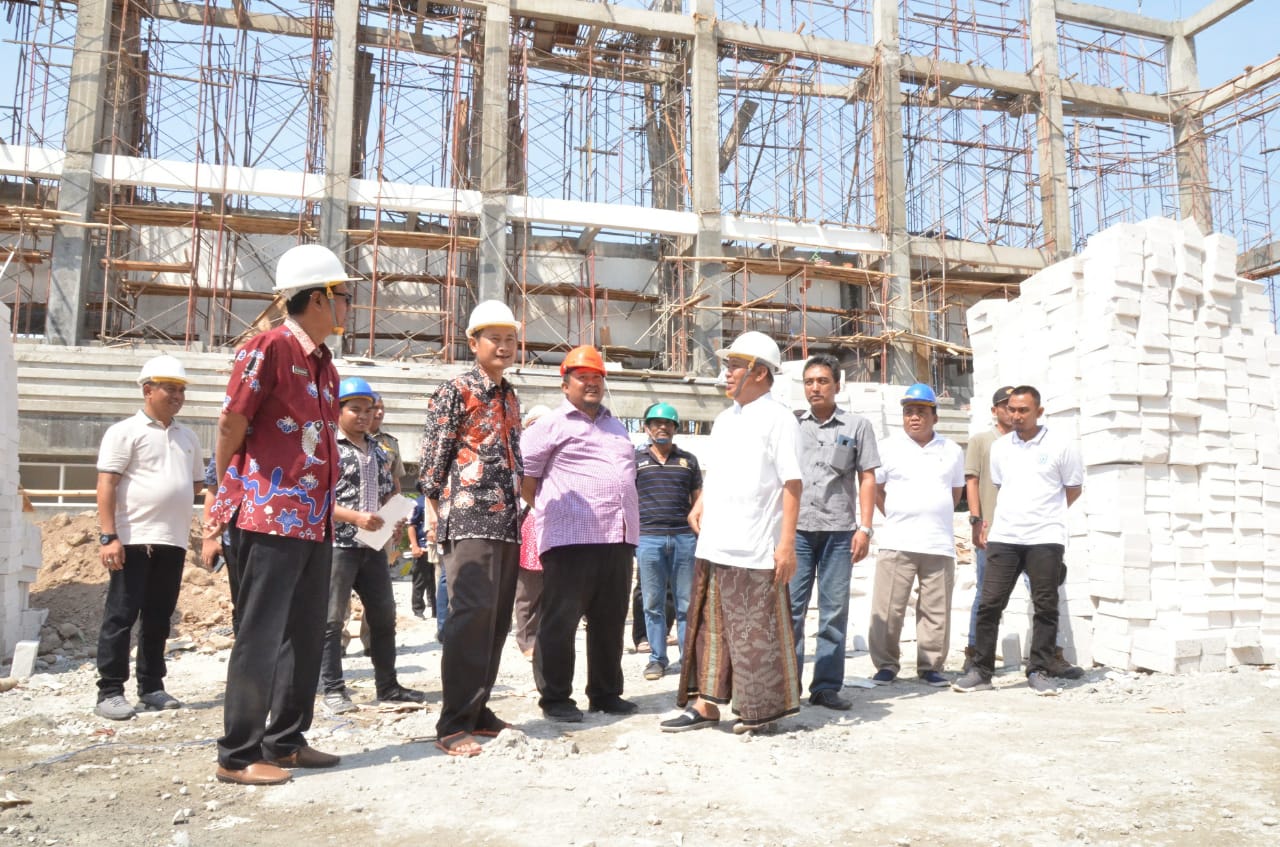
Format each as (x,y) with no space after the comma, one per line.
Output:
(19,538)
(1166,368)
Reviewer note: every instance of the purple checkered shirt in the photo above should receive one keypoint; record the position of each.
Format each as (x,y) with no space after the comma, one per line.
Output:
(588,473)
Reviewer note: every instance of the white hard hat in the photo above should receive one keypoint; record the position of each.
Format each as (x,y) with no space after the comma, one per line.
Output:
(162,369)
(756,346)
(491,313)
(309,266)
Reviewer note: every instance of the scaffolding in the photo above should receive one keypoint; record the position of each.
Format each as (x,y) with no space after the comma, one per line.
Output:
(848,177)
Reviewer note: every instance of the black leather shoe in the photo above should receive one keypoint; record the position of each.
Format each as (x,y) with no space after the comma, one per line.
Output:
(563,712)
(829,698)
(400,694)
(614,705)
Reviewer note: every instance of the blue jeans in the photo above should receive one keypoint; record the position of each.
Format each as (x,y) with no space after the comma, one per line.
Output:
(980,563)
(823,558)
(663,560)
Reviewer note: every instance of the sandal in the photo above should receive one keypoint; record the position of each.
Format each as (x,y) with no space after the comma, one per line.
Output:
(457,745)
(740,728)
(687,720)
(492,725)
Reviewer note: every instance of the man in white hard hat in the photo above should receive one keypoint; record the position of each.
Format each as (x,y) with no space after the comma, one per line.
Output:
(739,646)
(469,467)
(149,471)
(278,464)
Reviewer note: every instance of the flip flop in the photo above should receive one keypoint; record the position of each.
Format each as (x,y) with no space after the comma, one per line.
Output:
(687,720)
(452,745)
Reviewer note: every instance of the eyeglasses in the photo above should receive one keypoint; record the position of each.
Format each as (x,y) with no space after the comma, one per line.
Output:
(345,295)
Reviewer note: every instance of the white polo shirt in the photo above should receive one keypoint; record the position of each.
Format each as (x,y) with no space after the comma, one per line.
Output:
(919,501)
(1032,476)
(752,452)
(158,466)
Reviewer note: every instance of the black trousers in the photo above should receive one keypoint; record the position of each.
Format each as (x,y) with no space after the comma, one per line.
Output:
(422,586)
(275,663)
(482,591)
(147,588)
(363,570)
(1005,563)
(590,580)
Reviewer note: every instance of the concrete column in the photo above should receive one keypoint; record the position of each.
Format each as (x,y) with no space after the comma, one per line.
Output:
(492,273)
(708,276)
(340,124)
(1055,203)
(72,265)
(903,363)
(1192,156)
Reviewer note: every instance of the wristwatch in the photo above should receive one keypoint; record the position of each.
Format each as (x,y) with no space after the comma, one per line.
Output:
(106,538)
(974,520)
(868,530)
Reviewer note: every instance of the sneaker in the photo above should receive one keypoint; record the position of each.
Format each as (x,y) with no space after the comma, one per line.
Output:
(654,670)
(972,681)
(338,703)
(884,676)
(114,708)
(1041,684)
(935,679)
(157,701)
(1061,668)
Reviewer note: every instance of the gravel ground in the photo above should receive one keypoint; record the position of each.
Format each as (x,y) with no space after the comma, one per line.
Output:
(1116,758)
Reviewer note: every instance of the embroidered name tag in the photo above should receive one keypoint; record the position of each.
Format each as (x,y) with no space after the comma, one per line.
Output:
(300,371)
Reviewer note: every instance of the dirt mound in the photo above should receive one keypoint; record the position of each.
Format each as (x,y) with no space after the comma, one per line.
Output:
(72,585)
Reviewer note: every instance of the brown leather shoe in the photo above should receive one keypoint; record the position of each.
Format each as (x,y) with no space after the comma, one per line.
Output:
(259,773)
(307,757)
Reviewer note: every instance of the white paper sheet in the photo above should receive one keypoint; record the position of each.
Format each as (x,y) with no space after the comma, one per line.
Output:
(395,510)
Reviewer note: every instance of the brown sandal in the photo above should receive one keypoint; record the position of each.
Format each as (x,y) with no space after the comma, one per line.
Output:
(456,745)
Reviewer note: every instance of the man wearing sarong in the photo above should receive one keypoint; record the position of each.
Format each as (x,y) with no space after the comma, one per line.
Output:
(739,643)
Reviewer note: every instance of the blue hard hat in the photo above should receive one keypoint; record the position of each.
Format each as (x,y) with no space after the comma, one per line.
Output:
(920,393)
(354,386)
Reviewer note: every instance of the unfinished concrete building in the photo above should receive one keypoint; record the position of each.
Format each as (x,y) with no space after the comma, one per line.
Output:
(646,175)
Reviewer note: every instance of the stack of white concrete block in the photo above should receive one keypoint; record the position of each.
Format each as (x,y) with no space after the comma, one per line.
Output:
(19,537)
(1150,351)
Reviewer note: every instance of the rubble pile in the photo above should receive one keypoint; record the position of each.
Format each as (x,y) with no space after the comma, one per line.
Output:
(72,585)
(1150,351)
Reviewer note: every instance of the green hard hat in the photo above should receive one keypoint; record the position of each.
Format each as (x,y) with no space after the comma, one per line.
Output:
(664,411)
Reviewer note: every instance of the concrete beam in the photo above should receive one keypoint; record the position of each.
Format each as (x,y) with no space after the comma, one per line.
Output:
(297,27)
(1210,15)
(72,266)
(1261,261)
(1233,89)
(708,273)
(1115,20)
(492,271)
(607,15)
(980,255)
(1055,204)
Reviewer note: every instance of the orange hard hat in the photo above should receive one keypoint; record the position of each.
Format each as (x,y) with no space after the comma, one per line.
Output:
(586,357)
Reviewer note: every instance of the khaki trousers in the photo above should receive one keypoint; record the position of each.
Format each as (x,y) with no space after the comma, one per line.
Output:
(896,573)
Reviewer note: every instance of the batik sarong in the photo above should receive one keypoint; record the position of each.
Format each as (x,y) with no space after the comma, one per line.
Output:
(740,651)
